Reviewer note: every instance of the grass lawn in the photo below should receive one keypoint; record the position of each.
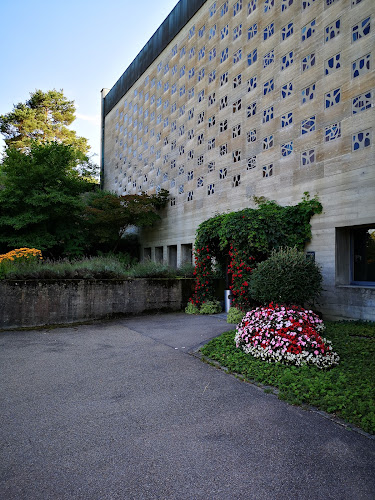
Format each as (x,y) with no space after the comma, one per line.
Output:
(347,390)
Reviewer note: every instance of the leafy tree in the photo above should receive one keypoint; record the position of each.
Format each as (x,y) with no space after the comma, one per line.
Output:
(42,118)
(108,215)
(40,202)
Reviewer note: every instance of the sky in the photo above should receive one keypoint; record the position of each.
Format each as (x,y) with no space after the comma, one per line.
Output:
(80,46)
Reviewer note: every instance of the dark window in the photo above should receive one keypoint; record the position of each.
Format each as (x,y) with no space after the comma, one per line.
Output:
(363,254)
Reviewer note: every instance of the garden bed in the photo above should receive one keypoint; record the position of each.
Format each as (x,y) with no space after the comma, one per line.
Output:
(346,390)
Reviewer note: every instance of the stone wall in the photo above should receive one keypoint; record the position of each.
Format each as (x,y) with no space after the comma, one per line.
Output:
(51,302)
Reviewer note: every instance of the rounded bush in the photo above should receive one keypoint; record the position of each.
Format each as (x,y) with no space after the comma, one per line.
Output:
(210,307)
(286,277)
(234,316)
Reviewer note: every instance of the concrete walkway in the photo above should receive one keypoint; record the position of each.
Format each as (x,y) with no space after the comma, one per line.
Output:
(120,410)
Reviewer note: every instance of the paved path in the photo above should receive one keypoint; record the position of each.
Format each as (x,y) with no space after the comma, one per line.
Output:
(120,410)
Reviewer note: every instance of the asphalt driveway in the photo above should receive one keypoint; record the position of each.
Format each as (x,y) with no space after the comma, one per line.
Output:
(120,410)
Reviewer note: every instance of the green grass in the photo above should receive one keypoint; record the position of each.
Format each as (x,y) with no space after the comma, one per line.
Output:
(347,390)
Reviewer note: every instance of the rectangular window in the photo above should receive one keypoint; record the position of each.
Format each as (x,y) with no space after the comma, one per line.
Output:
(308,93)
(224,32)
(212,32)
(268,170)
(212,54)
(237,56)
(223,78)
(237,81)
(224,9)
(252,84)
(286,60)
(252,31)
(268,5)
(237,32)
(307,157)
(286,119)
(251,109)
(308,30)
(285,4)
(287,148)
(268,114)
(308,125)
(252,57)
(362,140)
(362,241)
(251,162)
(332,30)
(237,7)
(268,58)
(361,29)
(251,6)
(331,98)
(308,62)
(332,64)
(361,102)
(286,90)
(268,31)
(286,31)
(361,66)
(224,55)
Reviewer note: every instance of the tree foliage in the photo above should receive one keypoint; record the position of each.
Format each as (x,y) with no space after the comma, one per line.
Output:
(108,215)
(40,202)
(44,117)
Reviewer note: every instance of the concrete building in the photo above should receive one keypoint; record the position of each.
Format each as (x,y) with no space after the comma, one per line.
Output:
(270,98)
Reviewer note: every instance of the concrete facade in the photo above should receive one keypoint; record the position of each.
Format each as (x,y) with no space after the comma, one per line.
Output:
(263,97)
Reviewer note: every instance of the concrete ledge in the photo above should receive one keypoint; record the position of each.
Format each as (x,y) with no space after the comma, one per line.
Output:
(53,302)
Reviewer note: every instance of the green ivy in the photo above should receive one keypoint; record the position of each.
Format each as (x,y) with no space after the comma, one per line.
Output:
(255,232)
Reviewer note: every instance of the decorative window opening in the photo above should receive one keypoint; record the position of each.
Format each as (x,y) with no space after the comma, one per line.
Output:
(174,51)
(182,71)
(237,56)
(200,139)
(211,99)
(286,120)
(308,30)
(212,54)
(211,121)
(224,55)
(251,6)
(182,110)
(200,160)
(224,79)
(200,75)
(200,117)
(223,173)
(212,76)
(252,57)
(237,106)
(308,93)
(191,93)
(237,7)
(333,97)
(182,90)
(252,135)
(200,182)
(201,96)
(191,32)
(268,5)
(308,125)
(223,102)
(268,87)
(332,64)
(174,70)
(286,31)
(252,84)
(190,175)
(201,31)
(287,148)
(210,189)
(361,66)
(181,150)
(211,144)
(268,58)
(182,52)
(181,130)
(223,149)
(308,62)
(286,60)
(191,73)
(212,9)
(190,134)
(251,162)
(212,32)
(307,157)
(267,142)
(237,32)
(237,81)
(236,131)
(190,195)
(285,4)
(211,166)
(268,170)
(191,154)
(252,109)
(332,132)
(236,181)
(201,53)
(268,114)
(223,126)
(332,30)
(181,170)
(362,140)
(361,102)
(173,201)
(361,29)
(252,31)
(174,88)
(268,31)
(224,9)
(224,32)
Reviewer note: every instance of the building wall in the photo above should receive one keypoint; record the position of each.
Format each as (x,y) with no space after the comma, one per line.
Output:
(275,114)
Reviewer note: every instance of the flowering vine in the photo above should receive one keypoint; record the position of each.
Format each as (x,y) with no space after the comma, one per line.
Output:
(203,276)
(241,266)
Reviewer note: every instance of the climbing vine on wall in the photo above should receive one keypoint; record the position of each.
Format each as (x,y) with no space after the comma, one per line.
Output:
(241,239)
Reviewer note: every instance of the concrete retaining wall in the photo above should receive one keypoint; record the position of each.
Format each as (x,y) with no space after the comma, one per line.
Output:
(51,302)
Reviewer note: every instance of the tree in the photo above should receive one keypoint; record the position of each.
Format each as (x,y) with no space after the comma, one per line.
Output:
(43,118)
(108,215)
(40,199)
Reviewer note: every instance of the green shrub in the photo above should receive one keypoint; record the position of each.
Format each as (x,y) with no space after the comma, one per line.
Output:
(234,316)
(150,269)
(286,277)
(191,308)
(186,271)
(210,307)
